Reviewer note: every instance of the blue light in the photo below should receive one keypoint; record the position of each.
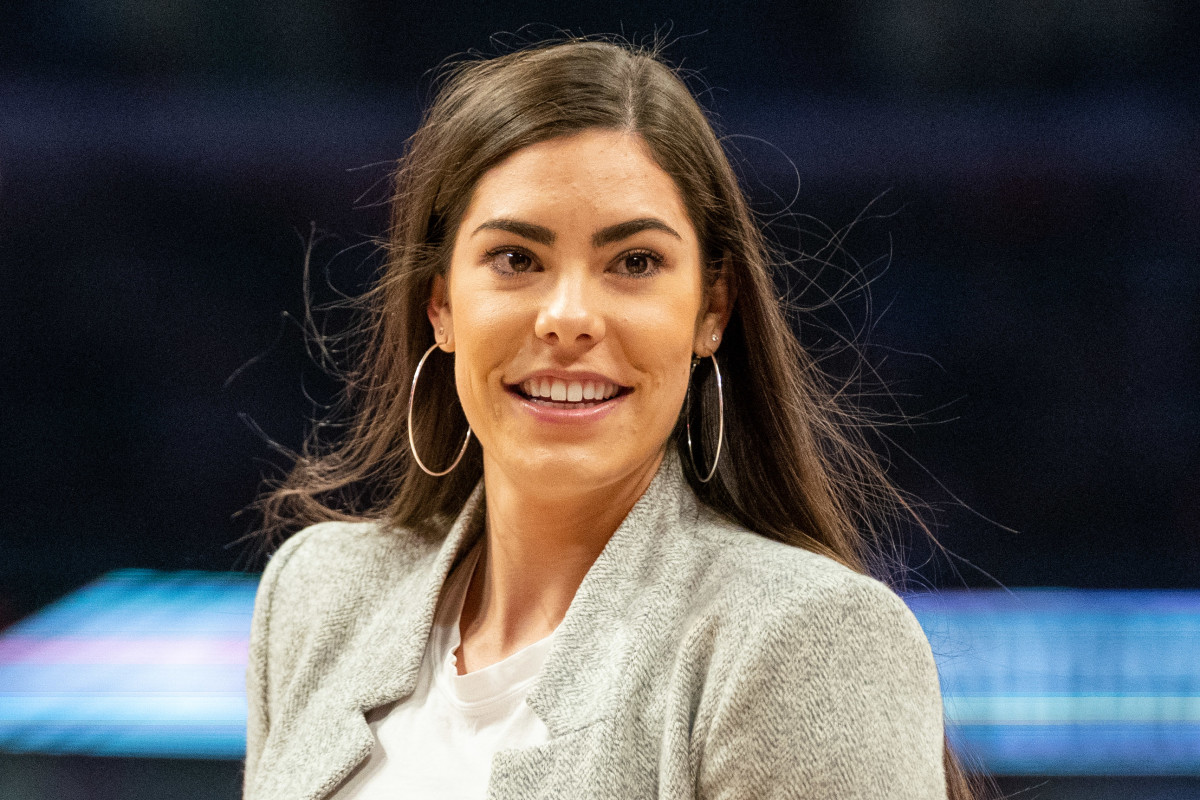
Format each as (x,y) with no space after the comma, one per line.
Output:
(139,663)
(1070,682)
(1036,681)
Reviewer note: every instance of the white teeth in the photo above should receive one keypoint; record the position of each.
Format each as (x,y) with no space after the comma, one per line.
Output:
(560,391)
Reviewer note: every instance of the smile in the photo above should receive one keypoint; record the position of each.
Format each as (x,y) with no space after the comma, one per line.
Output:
(554,393)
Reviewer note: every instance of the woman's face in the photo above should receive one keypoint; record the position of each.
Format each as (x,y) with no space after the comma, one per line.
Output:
(573,304)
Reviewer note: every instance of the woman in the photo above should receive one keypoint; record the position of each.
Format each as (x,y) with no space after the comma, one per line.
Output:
(595,527)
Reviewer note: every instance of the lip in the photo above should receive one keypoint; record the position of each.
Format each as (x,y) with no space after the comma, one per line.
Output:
(549,414)
(544,413)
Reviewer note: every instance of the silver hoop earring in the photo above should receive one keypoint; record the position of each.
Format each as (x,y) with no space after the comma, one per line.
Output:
(720,415)
(411,444)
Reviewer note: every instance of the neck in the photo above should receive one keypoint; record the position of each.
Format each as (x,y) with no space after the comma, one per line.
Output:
(539,545)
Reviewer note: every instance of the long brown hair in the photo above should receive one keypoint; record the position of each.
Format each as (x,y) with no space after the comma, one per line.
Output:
(797,465)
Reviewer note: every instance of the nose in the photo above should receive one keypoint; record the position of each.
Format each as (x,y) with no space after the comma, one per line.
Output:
(570,316)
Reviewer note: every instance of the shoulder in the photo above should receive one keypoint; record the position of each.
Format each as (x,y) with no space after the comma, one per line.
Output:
(310,553)
(762,604)
(809,656)
(763,583)
(335,554)
(329,576)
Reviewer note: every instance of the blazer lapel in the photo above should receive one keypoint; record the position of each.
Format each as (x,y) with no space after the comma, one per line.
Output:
(583,680)
(385,665)
(600,631)
(330,736)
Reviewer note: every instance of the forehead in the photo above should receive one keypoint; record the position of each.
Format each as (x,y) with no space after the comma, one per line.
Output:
(601,176)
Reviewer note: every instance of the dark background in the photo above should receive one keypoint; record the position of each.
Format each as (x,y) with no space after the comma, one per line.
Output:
(1029,173)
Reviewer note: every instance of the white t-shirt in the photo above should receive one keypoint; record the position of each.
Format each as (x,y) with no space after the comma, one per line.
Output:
(439,741)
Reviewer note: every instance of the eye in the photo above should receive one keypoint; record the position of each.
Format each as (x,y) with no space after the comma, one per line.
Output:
(638,263)
(510,261)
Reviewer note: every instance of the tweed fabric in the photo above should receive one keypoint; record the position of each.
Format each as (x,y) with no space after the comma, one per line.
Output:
(696,660)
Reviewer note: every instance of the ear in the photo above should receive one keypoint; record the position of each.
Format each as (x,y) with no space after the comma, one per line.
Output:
(439,314)
(715,316)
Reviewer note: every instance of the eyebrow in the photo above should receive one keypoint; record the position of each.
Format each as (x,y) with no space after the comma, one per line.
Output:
(613,233)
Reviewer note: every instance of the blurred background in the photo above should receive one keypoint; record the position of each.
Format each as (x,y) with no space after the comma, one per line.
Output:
(1021,182)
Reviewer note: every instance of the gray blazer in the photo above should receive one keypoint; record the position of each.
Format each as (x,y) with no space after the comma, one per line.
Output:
(697,659)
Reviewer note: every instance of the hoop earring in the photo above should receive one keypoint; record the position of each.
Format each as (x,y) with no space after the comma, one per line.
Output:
(720,415)
(411,444)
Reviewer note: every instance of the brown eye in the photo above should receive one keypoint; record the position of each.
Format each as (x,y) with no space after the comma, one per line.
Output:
(517,261)
(638,264)
(507,261)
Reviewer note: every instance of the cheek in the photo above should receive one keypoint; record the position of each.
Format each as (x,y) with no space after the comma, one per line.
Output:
(661,341)
(485,333)
(672,393)
(666,325)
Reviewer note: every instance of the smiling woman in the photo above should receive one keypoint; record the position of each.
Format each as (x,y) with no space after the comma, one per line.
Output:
(596,527)
(575,267)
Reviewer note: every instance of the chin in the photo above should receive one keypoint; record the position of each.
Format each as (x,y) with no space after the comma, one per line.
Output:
(566,469)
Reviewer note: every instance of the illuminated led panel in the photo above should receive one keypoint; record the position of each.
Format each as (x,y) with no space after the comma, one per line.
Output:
(136,663)
(1070,682)
(1036,681)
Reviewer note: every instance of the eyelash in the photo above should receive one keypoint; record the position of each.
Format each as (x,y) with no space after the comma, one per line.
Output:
(656,261)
